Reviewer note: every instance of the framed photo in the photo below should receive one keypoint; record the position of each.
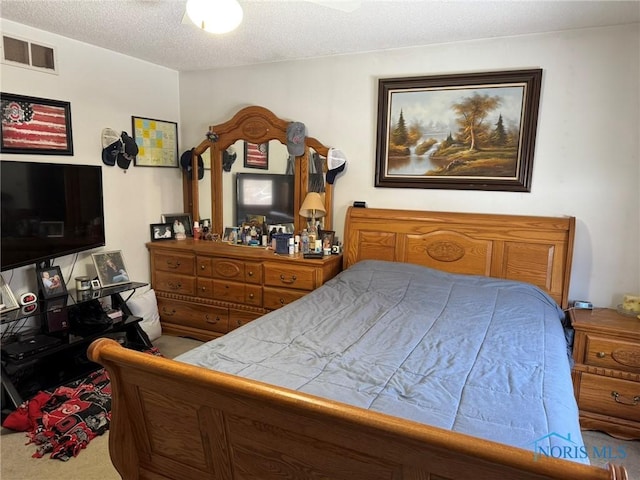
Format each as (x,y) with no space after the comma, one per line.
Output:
(180,223)
(95,284)
(230,235)
(157,142)
(50,282)
(111,268)
(51,118)
(161,231)
(256,155)
(327,237)
(471,131)
(8,301)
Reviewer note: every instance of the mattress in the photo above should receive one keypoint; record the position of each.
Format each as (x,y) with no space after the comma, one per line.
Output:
(482,356)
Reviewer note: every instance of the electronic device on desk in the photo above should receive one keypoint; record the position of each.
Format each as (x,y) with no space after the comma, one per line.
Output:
(28,347)
(582,305)
(313,255)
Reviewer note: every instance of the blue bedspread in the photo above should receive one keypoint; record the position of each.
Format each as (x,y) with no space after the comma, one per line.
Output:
(482,356)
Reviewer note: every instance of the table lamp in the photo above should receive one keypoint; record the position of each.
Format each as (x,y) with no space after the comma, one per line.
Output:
(313,208)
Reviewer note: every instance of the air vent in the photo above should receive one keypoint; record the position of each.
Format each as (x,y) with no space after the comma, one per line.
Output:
(24,53)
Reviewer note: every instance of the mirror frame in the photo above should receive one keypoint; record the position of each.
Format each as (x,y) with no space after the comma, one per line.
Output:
(254,124)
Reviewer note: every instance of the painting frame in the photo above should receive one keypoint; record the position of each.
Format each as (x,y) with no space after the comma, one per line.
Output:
(477,157)
(256,155)
(231,235)
(47,289)
(55,115)
(158,232)
(110,275)
(147,133)
(8,300)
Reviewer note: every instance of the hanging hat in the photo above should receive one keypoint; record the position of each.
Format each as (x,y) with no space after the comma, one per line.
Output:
(185,163)
(111,146)
(336,161)
(129,151)
(228,158)
(296,134)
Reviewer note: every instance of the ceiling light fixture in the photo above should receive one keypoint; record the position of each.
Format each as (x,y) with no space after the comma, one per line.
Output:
(215,16)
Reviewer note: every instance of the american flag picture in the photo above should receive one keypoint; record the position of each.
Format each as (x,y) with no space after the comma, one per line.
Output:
(35,125)
(256,155)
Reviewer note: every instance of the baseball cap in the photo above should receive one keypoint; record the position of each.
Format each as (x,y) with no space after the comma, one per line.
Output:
(336,161)
(185,163)
(296,134)
(128,152)
(111,146)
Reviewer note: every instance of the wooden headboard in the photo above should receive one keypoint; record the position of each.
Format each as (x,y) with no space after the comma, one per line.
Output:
(532,249)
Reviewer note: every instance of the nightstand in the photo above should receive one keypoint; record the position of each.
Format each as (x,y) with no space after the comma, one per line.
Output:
(606,374)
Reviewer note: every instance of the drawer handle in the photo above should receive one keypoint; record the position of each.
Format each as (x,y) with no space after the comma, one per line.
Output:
(212,322)
(175,286)
(601,354)
(284,279)
(251,295)
(282,301)
(250,273)
(168,313)
(618,398)
(204,289)
(203,266)
(172,264)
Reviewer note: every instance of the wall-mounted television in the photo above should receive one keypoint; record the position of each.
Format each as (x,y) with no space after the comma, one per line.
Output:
(49,210)
(267,194)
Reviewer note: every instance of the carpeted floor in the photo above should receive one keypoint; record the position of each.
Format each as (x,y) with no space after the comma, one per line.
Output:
(93,463)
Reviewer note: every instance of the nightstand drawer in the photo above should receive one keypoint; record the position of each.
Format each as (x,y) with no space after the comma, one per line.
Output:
(610,396)
(609,353)
(289,276)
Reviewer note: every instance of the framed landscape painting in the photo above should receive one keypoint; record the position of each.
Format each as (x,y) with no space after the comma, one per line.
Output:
(472,131)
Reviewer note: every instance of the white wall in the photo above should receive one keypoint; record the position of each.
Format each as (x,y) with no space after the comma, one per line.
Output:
(587,150)
(105,89)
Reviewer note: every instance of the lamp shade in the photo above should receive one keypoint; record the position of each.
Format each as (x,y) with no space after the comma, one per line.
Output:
(312,206)
(215,16)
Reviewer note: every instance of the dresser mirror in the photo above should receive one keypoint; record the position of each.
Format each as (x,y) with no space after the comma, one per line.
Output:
(290,178)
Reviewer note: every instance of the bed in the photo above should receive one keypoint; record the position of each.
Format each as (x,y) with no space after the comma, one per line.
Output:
(438,353)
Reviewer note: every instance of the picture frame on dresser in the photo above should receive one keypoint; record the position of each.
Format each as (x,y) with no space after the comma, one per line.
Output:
(181,223)
(161,231)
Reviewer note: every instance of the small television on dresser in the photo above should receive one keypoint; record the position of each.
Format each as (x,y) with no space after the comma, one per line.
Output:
(267,194)
(49,210)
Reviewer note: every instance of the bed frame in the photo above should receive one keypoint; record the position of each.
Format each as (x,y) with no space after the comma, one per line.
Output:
(172,420)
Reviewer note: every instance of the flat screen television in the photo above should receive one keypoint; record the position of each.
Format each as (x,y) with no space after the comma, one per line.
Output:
(49,210)
(267,194)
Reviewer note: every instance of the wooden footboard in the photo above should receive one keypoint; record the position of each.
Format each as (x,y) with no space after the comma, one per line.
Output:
(176,421)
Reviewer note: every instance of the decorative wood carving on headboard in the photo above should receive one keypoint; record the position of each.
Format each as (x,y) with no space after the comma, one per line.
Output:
(536,250)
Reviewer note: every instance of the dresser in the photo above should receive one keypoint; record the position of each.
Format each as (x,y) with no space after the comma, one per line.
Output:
(206,289)
(606,373)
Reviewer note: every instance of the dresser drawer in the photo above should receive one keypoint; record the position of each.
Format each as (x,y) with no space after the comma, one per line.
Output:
(227,269)
(204,266)
(279,297)
(610,396)
(238,318)
(170,282)
(253,273)
(182,263)
(253,295)
(228,291)
(205,317)
(609,353)
(205,288)
(290,276)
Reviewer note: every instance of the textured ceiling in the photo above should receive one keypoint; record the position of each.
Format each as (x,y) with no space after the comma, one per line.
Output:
(274,30)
